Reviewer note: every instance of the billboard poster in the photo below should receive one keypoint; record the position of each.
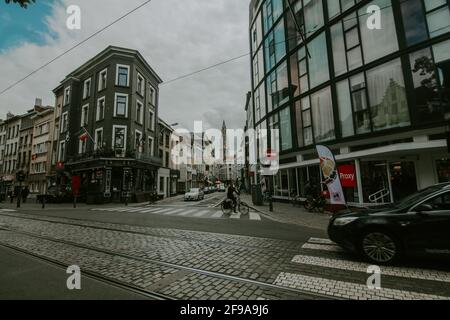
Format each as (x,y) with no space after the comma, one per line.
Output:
(331,175)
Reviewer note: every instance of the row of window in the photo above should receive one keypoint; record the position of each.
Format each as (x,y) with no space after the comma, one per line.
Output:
(353,44)
(119,142)
(122,80)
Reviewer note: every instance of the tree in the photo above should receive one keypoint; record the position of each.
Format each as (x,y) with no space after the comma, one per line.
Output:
(22,3)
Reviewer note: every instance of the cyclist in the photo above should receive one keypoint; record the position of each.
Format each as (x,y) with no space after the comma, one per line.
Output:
(231,195)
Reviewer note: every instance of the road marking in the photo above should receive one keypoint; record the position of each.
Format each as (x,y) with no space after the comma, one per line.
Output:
(413,273)
(218,214)
(322,247)
(254,216)
(320,241)
(348,290)
(236,216)
(7,210)
(188,211)
(173,212)
(162,210)
(200,213)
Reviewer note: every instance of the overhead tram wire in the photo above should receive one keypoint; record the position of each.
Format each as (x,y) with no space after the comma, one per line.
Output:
(75,46)
(177,78)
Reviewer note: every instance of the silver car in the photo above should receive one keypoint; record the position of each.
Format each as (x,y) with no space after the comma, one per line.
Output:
(194,194)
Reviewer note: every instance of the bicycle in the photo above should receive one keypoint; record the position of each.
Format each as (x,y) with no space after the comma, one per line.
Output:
(227,207)
(295,200)
(315,204)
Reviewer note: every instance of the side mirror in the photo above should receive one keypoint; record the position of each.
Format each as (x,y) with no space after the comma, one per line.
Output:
(424,208)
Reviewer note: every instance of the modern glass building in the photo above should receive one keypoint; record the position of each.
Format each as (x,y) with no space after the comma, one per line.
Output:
(379,98)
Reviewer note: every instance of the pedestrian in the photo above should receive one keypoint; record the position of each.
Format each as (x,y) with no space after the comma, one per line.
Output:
(25,194)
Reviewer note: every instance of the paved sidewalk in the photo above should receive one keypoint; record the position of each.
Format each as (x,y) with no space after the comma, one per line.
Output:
(287,213)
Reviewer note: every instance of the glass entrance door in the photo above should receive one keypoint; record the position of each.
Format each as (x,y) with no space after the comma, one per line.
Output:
(403,179)
(375,182)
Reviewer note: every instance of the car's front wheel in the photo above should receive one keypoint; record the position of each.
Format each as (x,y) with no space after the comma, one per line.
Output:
(380,247)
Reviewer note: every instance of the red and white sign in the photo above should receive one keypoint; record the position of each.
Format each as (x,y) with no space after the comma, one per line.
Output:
(347,174)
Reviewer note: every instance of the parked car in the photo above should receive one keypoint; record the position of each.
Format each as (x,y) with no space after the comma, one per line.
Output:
(207,190)
(222,188)
(417,225)
(194,194)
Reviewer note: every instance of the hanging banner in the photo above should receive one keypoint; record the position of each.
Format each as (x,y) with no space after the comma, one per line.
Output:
(331,175)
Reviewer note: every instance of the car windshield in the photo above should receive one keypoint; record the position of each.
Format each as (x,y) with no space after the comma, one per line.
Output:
(194,190)
(416,196)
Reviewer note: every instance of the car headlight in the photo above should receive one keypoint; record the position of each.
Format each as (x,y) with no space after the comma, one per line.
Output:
(344,221)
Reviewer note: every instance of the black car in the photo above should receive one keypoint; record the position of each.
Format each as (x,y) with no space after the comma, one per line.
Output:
(417,225)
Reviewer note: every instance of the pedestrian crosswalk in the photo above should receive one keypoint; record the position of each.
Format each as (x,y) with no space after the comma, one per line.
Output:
(321,256)
(209,213)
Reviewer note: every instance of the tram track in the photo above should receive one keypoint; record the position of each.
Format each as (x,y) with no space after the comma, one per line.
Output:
(154,294)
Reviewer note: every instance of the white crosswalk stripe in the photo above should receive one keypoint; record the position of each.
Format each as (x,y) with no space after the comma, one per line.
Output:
(414,273)
(328,285)
(322,247)
(182,212)
(347,290)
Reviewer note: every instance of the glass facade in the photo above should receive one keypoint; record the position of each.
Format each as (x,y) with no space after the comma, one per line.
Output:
(346,80)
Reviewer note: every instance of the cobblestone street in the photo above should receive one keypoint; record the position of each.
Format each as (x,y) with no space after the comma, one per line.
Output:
(187,264)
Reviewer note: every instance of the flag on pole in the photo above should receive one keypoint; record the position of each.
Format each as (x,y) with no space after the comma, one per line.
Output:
(331,175)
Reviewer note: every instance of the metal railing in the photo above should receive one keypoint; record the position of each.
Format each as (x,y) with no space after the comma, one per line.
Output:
(379,195)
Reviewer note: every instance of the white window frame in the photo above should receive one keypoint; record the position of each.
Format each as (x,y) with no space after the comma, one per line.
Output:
(61,156)
(82,143)
(115,104)
(97,114)
(140,117)
(63,122)
(84,121)
(117,73)
(152,124)
(153,101)
(67,95)
(96,136)
(139,148)
(85,95)
(140,77)
(105,71)
(151,145)
(114,136)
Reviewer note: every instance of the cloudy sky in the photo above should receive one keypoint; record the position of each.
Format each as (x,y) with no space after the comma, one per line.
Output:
(175,36)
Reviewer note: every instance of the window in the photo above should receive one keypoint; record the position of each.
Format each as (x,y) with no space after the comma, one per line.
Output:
(121,105)
(87,89)
(285,129)
(152,96)
(82,146)
(67,96)
(103,76)
(84,115)
(98,139)
(139,112)
(272,10)
(360,105)
(345,108)
(138,142)
(119,137)
(322,115)
(438,17)
(313,11)
(304,123)
(123,75)
(151,146)
(151,115)
(100,114)
(260,103)
(318,63)
(64,122)
(440,202)
(62,151)
(414,21)
(387,95)
(140,84)
(387,36)
(277,87)
(275,46)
